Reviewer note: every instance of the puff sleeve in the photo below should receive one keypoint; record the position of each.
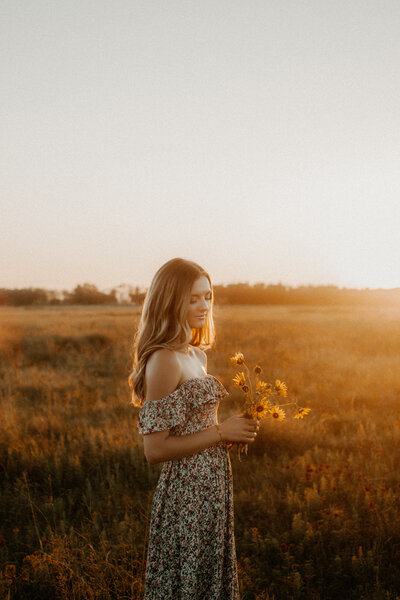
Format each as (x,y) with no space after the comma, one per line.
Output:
(222,391)
(162,414)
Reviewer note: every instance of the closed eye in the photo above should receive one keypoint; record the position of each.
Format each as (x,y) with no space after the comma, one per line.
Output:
(208,297)
(194,298)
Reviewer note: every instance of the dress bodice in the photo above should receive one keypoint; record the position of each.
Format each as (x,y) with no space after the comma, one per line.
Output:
(190,408)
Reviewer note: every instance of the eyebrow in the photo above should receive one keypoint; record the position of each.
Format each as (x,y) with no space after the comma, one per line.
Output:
(208,292)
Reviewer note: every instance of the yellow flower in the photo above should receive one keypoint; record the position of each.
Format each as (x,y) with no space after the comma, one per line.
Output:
(301,412)
(239,379)
(259,410)
(277,413)
(265,399)
(281,388)
(264,388)
(238,359)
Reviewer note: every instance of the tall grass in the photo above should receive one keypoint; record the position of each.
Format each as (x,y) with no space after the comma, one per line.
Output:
(316,501)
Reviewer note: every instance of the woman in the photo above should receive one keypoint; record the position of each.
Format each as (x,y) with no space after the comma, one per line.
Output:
(191,551)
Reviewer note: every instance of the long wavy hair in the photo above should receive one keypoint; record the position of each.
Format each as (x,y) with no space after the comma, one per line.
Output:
(163,322)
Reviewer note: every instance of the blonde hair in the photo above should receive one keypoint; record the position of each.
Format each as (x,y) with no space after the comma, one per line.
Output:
(163,322)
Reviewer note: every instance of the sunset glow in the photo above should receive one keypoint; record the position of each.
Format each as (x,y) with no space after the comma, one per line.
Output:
(258,139)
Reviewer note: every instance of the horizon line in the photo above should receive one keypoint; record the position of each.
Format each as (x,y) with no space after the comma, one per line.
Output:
(108,289)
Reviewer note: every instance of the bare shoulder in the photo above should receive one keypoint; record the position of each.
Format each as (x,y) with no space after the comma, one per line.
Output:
(162,375)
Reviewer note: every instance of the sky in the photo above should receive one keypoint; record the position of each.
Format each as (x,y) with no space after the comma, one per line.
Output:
(258,138)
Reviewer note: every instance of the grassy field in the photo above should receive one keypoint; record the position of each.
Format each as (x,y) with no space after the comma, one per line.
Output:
(316,501)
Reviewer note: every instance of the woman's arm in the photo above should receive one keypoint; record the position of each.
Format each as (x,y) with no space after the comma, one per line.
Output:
(162,376)
(162,446)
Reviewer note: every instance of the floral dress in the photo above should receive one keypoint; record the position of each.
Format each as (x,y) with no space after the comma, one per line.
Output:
(191,551)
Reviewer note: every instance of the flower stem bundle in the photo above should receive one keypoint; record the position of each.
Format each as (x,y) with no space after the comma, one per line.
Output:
(261,398)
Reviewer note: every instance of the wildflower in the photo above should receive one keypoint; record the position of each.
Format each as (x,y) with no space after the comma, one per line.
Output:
(258,402)
(239,379)
(280,387)
(265,398)
(277,413)
(260,409)
(263,387)
(301,412)
(238,359)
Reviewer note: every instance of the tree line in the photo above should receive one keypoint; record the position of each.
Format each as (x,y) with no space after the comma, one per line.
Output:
(231,294)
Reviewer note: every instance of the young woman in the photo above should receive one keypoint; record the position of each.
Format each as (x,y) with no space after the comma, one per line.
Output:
(191,551)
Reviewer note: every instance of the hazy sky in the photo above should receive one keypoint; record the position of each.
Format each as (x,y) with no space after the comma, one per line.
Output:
(260,139)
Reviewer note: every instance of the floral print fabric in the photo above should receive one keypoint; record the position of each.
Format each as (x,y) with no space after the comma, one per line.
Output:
(191,550)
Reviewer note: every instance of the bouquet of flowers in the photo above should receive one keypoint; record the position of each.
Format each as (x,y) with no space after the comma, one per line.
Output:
(261,398)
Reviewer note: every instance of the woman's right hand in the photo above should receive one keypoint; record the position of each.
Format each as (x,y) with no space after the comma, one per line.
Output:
(239,429)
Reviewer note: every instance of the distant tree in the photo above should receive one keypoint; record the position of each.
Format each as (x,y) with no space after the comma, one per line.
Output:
(89,294)
(234,293)
(137,296)
(23,297)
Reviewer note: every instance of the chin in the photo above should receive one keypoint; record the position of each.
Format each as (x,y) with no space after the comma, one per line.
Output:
(197,325)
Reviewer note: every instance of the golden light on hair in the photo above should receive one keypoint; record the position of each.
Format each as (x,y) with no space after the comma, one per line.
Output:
(163,322)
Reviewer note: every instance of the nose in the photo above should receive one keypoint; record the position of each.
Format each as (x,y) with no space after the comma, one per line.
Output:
(205,303)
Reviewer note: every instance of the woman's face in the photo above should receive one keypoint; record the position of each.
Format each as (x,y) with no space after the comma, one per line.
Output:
(199,302)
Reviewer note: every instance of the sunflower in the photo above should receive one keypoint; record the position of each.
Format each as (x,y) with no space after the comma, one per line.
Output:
(238,359)
(265,398)
(239,379)
(277,413)
(263,388)
(259,410)
(301,412)
(280,387)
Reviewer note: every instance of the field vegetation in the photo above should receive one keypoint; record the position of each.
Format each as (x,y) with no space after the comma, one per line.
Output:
(316,500)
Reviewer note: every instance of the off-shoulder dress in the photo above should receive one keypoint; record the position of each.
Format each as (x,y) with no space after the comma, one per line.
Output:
(191,549)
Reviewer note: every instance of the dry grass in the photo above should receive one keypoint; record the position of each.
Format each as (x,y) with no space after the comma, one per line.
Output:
(316,501)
